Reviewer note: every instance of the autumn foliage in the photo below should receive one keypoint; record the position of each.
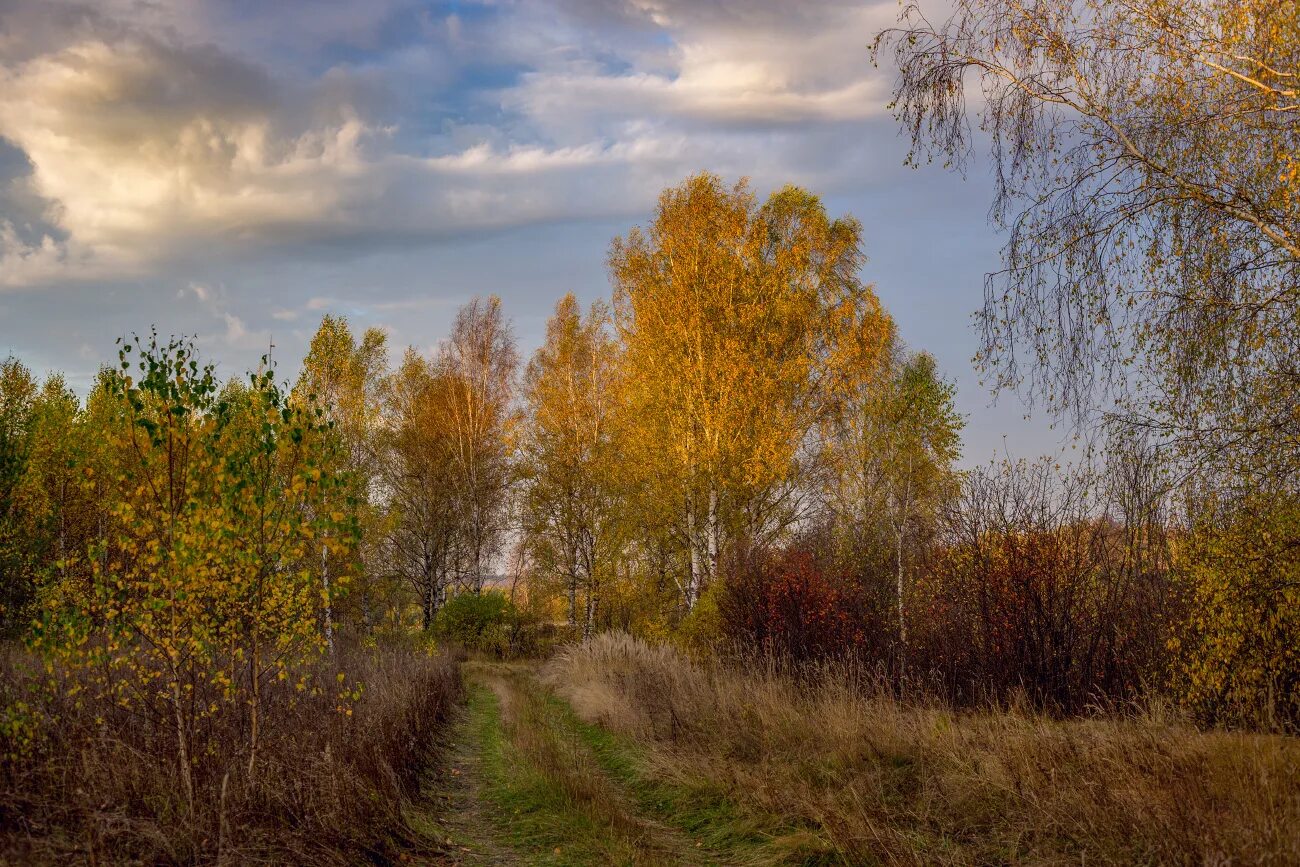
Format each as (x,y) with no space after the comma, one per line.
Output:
(737,453)
(798,606)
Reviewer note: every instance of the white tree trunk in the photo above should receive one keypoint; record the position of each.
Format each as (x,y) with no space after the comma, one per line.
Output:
(713,533)
(691,589)
(329,604)
(902,619)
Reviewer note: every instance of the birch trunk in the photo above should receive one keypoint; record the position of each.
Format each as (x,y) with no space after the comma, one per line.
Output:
(329,604)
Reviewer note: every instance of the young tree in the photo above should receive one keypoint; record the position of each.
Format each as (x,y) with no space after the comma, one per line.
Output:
(886,455)
(923,440)
(732,316)
(569,454)
(479,362)
(199,584)
(17,584)
(345,377)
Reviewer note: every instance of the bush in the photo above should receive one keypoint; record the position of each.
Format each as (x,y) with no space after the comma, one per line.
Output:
(795,606)
(478,621)
(1061,615)
(339,763)
(1239,648)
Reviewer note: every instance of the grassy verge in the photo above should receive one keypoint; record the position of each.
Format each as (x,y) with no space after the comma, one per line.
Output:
(876,781)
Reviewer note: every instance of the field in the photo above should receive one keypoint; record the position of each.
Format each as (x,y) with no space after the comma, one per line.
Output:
(619,751)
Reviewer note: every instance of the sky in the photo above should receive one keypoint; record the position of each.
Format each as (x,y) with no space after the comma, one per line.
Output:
(235,169)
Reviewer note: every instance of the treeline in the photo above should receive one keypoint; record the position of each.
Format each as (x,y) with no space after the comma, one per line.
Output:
(742,381)
(736,450)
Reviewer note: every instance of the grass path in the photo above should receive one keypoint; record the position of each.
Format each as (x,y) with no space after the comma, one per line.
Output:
(526,782)
(459,821)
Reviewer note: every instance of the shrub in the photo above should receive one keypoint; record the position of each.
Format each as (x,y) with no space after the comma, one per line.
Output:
(1030,593)
(339,765)
(478,621)
(1055,613)
(795,606)
(1239,649)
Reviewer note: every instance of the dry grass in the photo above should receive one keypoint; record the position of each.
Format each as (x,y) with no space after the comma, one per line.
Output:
(88,784)
(919,783)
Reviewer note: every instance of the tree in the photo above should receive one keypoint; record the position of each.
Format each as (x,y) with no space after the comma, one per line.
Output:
(1145,155)
(479,361)
(344,377)
(199,587)
(569,454)
(886,454)
(429,522)
(733,317)
(1238,654)
(923,440)
(17,584)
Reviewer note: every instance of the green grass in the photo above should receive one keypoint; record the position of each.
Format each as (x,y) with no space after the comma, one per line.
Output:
(536,811)
(698,808)
(561,791)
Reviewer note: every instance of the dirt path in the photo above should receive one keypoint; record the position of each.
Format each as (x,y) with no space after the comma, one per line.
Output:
(522,786)
(458,818)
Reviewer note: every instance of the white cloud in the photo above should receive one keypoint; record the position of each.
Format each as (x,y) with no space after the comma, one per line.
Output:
(150,146)
(744,62)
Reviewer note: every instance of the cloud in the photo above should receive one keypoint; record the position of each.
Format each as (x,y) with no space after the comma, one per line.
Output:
(146,146)
(215,308)
(755,63)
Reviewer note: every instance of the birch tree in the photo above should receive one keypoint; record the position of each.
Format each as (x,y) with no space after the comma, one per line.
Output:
(1145,155)
(428,524)
(17,587)
(923,441)
(343,376)
(569,455)
(731,314)
(480,361)
(200,582)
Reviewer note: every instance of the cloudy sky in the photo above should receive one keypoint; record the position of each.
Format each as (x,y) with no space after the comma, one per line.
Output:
(234,169)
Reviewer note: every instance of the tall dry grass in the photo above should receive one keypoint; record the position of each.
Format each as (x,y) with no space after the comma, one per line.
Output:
(85,783)
(917,782)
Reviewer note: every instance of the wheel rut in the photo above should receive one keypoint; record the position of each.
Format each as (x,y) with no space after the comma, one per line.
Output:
(520,785)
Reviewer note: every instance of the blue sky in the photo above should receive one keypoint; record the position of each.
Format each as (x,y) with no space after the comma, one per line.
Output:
(235,169)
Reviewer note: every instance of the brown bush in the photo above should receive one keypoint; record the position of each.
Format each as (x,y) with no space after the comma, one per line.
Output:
(1030,591)
(84,781)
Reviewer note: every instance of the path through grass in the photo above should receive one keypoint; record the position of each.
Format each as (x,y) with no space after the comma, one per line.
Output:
(527,782)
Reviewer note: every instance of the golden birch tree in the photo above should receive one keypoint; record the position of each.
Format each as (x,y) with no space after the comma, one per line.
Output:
(428,526)
(569,456)
(479,362)
(344,376)
(733,317)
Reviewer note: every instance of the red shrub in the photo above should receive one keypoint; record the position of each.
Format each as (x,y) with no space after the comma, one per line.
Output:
(1064,613)
(792,604)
